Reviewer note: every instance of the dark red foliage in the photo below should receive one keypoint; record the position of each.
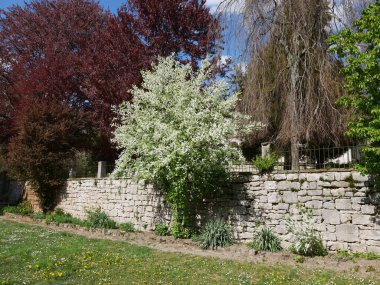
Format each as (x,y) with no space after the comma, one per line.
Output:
(183,27)
(140,33)
(48,133)
(74,52)
(44,53)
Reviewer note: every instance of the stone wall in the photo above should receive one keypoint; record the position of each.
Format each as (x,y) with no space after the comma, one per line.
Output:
(344,209)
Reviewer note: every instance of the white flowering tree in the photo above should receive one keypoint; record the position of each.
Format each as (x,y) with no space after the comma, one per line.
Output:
(177,134)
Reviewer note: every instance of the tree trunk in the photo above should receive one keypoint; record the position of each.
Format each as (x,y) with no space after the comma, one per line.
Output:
(293,61)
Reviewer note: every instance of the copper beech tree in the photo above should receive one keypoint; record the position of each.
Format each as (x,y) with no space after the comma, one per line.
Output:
(47,134)
(87,58)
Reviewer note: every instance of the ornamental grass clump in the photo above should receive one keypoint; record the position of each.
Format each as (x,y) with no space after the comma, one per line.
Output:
(177,134)
(265,164)
(216,233)
(266,240)
(306,239)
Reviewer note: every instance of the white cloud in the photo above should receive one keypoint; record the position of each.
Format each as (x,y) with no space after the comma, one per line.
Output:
(213,4)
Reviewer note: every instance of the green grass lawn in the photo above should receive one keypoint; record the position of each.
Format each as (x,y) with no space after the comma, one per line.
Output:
(38,255)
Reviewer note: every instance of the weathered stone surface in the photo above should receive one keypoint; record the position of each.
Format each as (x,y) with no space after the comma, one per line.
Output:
(287,185)
(358,247)
(358,219)
(331,217)
(370,234)
(314,192)
(302,193)
(290,197)
(342,176)
(279,176)
(313,177)
(292,176)
(343,204)
(344,217)
(340,184)
(274,197)
(314,204)
(356,176)
(283,206)
(329,176)
(348,233)
(329,205)
(270,185)
(374,249)
(337,192)
(368,209)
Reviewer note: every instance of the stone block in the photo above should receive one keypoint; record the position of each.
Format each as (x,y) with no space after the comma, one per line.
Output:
(343,204)
(287,185)
(354,247)
(345,218)
(359,200)
(314,185)
(279,176)
(356,207)
(270,185)
(329,176)
(331,228)
(340,184)
(358,219)
(292,176)
(339,192)
(280,229)
(341,176)
(314,192)
(302,193)
(348,233)
(331,217)
(326,192)
(368,209)
(303,199)
(254,184)
(290,197)
(373,243)
(274,197)
(283,206)
(329,236)
(322,184)
(312,177)
(263,199)
(360,178)
(370,234)
(329,205)
(314,204)
(374,249)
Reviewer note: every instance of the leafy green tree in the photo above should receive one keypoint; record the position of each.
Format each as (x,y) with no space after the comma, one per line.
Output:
(177,134)
(359,47)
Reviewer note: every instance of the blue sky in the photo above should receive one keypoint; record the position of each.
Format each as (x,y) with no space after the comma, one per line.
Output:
(230,49)
(111,4)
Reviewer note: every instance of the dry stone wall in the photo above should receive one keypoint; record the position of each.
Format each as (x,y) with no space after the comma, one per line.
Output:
(344,207)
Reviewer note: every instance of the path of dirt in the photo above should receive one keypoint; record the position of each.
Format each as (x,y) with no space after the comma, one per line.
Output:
(237,252)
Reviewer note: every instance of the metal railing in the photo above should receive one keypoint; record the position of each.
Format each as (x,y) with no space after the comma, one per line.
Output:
(323,158)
